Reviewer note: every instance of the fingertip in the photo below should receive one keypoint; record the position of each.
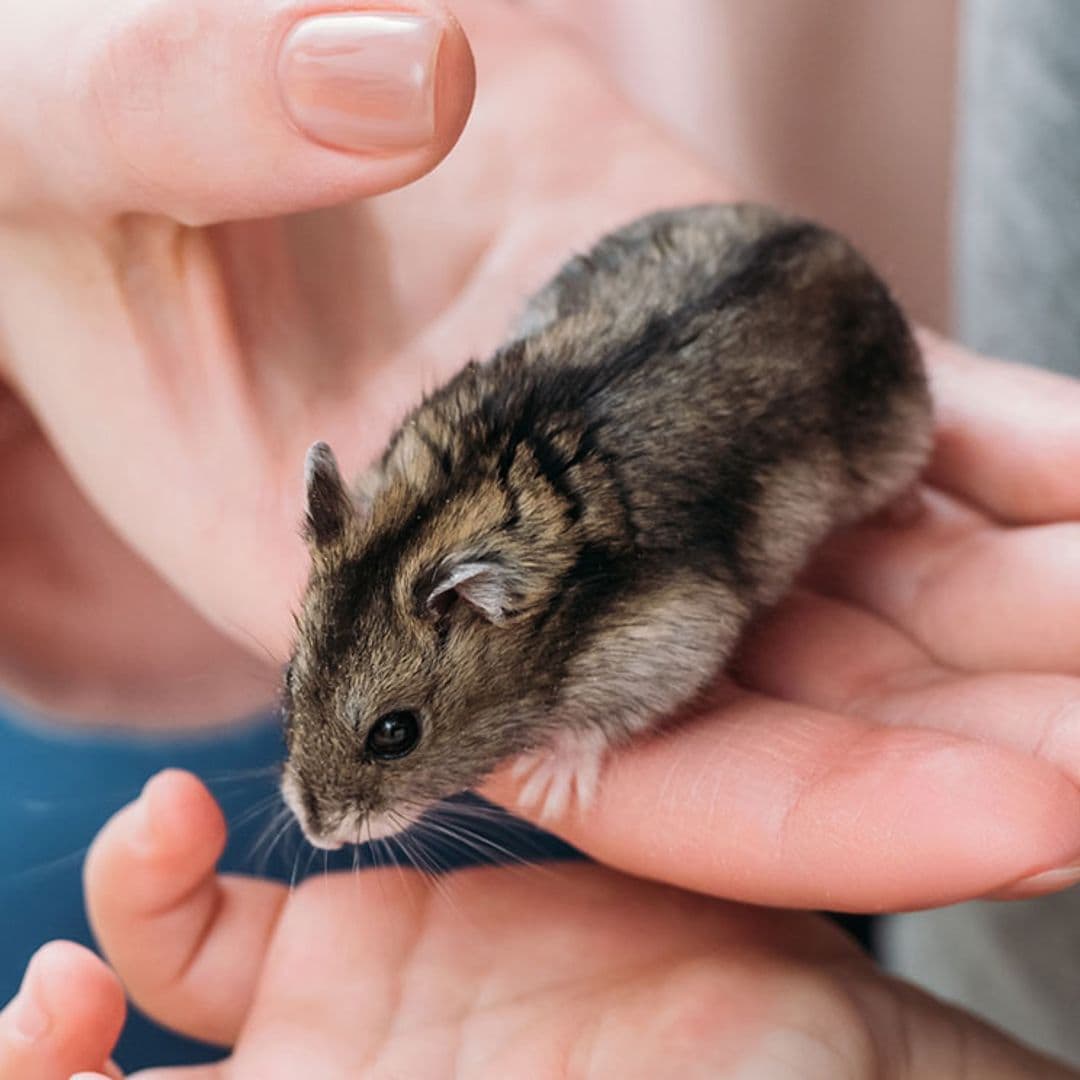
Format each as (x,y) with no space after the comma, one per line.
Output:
(1040,884)
(187,943)
(154,850)
(377,128)
(174,815)
(268,112)
(69,1012)
(375,81)
(1004,430)
(181,813)
(72,979)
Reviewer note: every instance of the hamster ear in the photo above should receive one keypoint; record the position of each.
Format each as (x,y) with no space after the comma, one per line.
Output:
(487,587)
(328,507)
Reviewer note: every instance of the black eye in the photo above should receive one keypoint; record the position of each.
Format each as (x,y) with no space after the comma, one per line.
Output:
(393,735)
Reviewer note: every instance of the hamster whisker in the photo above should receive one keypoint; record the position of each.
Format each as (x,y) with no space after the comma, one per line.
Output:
(255,810)
(423,860)
(236,776)
(45,867)
(523,833)
(477,807)
(255,674)
(275,830)
(262,646)
(295,867)
(432,872)
(381,855)
(275,822)
(393,850)
(490,852)
(399,844)
(99,801)
(310,859)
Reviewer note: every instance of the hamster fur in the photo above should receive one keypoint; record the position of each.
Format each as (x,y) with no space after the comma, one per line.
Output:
(562,545)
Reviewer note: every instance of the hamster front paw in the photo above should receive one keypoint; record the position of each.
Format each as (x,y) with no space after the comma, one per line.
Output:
(559,776)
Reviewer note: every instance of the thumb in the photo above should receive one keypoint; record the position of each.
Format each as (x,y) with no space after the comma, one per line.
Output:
(207,111)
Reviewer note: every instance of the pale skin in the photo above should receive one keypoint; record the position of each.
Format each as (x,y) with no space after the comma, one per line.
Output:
(563,971)
(903,729)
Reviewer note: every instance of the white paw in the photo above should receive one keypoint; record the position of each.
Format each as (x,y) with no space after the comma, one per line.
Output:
(561,774)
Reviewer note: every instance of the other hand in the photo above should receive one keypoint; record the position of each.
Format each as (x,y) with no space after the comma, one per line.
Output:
(553,971)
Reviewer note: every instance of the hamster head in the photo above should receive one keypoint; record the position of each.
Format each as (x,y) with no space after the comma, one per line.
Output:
(415,671)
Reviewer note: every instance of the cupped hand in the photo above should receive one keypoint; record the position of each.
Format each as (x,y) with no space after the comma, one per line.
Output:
(558,971)
(905,728)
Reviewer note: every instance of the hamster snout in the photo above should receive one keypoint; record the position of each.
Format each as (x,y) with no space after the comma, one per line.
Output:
(337,826)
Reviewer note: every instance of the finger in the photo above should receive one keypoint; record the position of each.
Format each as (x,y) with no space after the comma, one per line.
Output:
(889,680)
(784,805)
(182,1072)
(206,111)
(187,943)
(67,1015)
(1006,434)
(112,1072)
(975,595)
(918,1036)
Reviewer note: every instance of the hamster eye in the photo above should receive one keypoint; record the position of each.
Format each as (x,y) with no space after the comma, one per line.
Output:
(393,735)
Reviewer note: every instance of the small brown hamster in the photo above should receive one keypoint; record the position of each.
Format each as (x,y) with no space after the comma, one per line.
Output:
(562,545)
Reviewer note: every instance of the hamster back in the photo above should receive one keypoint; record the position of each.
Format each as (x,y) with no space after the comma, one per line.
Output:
(562,545)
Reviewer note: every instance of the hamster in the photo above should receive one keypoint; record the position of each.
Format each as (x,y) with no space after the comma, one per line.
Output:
(562,545)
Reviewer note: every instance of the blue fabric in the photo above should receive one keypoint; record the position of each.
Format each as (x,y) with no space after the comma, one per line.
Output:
(58,787)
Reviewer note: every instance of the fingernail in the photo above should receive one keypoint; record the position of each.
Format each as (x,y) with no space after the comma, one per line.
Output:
(362,80)
(1047,882)
(28,1015)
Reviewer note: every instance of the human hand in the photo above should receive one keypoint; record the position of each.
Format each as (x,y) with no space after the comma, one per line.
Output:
(552,971)
(204,295)
(904,730)
(120,135)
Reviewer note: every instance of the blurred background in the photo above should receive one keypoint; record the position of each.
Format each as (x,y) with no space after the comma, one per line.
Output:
(839,109)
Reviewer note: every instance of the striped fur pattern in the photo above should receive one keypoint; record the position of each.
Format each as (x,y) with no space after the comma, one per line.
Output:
(562,545)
